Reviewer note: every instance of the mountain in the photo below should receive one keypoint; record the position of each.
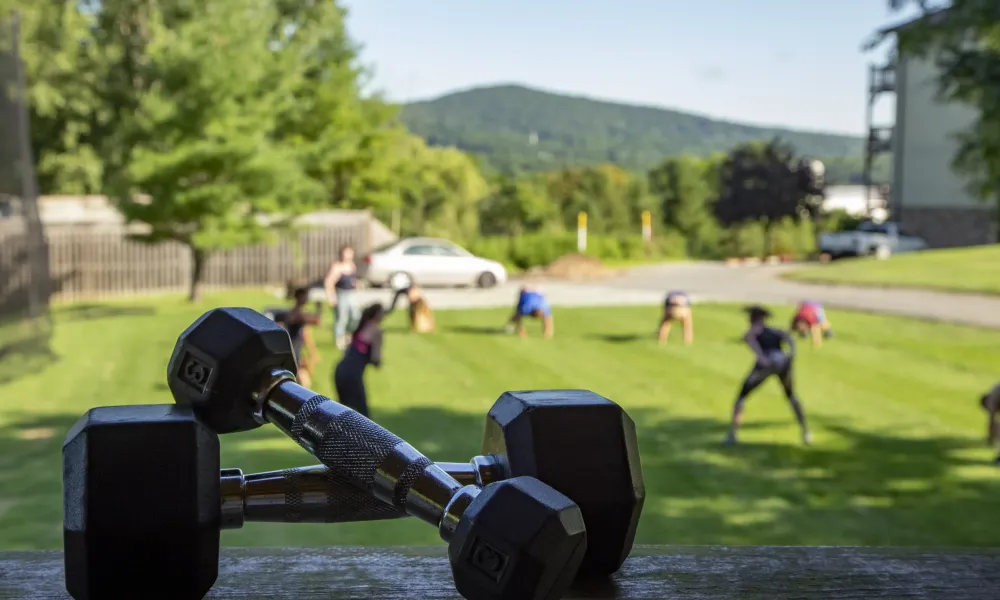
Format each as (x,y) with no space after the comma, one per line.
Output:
(514,127)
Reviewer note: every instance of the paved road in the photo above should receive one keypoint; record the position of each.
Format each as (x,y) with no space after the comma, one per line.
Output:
(717,282)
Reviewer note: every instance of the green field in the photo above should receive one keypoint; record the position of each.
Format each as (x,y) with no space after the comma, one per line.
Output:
(899,456)
(974,270)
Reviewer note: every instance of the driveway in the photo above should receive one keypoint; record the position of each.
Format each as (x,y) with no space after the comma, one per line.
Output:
(714,282)
(717,282)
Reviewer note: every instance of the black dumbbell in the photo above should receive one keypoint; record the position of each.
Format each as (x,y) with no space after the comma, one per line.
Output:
(579,442)
(517,538)
(144,502)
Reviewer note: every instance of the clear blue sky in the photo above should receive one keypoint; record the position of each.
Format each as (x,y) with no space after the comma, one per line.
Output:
(796,63)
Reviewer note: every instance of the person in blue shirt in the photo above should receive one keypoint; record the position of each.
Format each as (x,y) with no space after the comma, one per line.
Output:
(677,307)
(531,303)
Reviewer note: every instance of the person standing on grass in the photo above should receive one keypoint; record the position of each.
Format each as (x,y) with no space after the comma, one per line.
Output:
(298,322)
(365,349)
(341,284)
(531,303)
(991,404)
(771,359)
(677,307)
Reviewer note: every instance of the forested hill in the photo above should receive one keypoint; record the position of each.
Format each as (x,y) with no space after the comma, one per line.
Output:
(497,124)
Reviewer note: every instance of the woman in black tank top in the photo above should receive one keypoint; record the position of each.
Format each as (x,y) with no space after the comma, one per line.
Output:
(767,344)
(297,323)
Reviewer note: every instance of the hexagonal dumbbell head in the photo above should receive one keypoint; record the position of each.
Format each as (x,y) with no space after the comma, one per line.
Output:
(217,361)
(141,504)
(518,539)
(583,445)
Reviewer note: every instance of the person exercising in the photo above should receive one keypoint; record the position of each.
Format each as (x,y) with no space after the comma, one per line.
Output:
(531,303)
(771,359)
(677,307)
(297,322)
(810,320)
(341,285)
(991,404)
(365,349)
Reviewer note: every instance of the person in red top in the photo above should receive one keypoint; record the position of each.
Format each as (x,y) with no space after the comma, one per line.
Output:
(810,320)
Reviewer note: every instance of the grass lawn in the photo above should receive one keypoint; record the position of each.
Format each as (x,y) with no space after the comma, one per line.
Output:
(899,456)
(960,270)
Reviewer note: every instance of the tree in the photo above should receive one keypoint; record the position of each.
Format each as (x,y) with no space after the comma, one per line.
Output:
(964,43)
(68,116)
(517,205)
(685,189)
(765,182)
(197,160)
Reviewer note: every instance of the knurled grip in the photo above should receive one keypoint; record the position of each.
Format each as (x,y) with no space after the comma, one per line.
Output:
(352,446)
(343,502)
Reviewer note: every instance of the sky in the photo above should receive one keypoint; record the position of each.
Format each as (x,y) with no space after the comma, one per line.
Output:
(792,63)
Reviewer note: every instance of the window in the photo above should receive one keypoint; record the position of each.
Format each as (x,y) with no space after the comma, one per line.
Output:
(450,251)
(419,250)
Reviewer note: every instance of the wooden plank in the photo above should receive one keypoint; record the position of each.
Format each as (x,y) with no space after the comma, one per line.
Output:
(652,572)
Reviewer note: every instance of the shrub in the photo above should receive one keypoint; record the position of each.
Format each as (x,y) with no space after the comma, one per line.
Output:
(541,249)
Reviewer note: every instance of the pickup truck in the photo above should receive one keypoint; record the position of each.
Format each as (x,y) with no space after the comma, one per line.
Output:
(879,240)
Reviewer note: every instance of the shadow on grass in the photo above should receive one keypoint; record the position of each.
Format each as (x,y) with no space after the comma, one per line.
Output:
(868,489)
(619,338)
(475,330)
(102,311)
(25,348)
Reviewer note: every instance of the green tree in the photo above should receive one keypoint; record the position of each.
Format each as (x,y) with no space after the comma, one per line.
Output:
(685,191)
(517,205)
(964,43)
(201,165)
(68,115)
(765,183)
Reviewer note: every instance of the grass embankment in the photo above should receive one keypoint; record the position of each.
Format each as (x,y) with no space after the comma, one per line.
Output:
(968,270)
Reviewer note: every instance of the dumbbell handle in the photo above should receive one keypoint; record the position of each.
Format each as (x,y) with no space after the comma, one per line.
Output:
(362,453)
(317,495)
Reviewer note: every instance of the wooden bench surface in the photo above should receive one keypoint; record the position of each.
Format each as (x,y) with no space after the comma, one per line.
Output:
(652,572)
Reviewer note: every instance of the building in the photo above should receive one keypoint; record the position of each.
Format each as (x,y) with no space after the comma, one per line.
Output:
(928,198)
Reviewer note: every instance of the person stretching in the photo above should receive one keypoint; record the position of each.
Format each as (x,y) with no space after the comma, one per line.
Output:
(677,307)
(298,322)
(810,320)
(531,303)
(771,359)
(341,285)
(991,404)
(365,349)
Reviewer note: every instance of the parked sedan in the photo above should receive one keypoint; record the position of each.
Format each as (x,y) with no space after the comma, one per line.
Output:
(429,262)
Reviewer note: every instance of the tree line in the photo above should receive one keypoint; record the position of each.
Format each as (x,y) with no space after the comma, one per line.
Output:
(217,123)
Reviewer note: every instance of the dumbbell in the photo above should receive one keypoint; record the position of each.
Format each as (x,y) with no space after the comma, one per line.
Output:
(517,538)
(582,444)
(144,503)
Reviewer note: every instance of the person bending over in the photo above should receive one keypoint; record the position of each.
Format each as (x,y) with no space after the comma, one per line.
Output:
(341,285)
(297,322)
(770,359)
(991,404)
(420,314)
(531,303)
(810,320)
(677,307)
(365,349)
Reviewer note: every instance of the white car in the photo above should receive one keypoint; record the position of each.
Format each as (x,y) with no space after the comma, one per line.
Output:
(429,262)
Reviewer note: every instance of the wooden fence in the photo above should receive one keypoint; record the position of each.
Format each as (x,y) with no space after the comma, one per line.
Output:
(103,263)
